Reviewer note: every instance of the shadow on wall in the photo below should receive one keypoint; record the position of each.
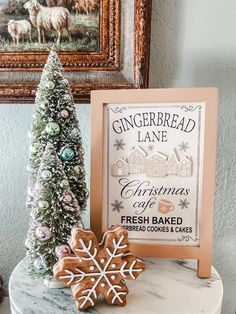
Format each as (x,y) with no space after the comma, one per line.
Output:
(220,70)
(167,18)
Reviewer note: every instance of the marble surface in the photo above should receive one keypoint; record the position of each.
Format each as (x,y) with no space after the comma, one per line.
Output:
(166,287)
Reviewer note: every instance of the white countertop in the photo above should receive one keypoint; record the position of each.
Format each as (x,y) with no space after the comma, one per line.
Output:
(166,287)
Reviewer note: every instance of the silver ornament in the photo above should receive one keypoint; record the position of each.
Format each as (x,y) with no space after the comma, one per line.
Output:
(46,175)
(67,97)
(43,233)
(43,204)
(38,265)
(62,250)
(75,133)
(50,85)
(64,183)
(67,199)
(65,82)
(64,113)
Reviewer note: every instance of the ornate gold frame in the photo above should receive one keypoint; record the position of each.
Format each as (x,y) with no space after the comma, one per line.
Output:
(102,70)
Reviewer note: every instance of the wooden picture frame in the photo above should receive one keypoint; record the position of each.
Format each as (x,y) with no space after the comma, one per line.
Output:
(196,104)
(122,60)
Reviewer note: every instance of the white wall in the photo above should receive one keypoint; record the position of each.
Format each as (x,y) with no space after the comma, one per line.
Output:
(193,44)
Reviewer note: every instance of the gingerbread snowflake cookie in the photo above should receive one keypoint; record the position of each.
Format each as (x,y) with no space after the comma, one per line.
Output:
(98,267)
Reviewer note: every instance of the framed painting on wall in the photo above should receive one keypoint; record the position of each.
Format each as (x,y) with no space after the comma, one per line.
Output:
(102,44)
(153,169)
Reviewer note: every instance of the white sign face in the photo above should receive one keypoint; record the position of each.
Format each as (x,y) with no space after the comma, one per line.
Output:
(153,171)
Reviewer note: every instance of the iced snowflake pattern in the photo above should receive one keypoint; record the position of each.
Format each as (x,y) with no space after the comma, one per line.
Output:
(117,206)
(183,146)
(119,144)
(184,203)
(98,268)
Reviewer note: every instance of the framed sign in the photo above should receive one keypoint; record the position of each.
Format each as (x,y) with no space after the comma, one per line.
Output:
(102,44)
(153,169)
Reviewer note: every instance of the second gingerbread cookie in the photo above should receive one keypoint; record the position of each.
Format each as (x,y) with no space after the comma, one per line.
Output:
(98,267)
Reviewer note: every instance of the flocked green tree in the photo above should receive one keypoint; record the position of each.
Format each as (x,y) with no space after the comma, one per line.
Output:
(54,212)
(55,120)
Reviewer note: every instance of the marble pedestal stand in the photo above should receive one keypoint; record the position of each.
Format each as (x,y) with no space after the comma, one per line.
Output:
(166,287)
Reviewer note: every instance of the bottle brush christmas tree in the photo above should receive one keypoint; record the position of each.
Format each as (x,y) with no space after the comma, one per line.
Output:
(55,211)
(55,120)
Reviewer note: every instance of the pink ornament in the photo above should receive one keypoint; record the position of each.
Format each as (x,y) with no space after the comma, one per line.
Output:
(62,250)
(67,199)
(64,113)
(43,233)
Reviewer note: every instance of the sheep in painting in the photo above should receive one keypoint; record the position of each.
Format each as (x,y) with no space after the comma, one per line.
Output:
(87,6)
(59,3)
(19,29)
(44,18)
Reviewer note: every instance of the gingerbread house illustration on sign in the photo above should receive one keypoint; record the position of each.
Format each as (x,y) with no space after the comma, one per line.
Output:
(185,167)
(172,165)
(137,160)
(156,165)
(120,168)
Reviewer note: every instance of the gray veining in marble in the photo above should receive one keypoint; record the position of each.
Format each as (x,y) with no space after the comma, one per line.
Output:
(166,287)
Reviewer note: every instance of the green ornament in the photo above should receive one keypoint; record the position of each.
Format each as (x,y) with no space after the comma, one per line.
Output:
(52,129)
(43,204)
(78,170)
(35,147)
(64,183)
(67,154)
